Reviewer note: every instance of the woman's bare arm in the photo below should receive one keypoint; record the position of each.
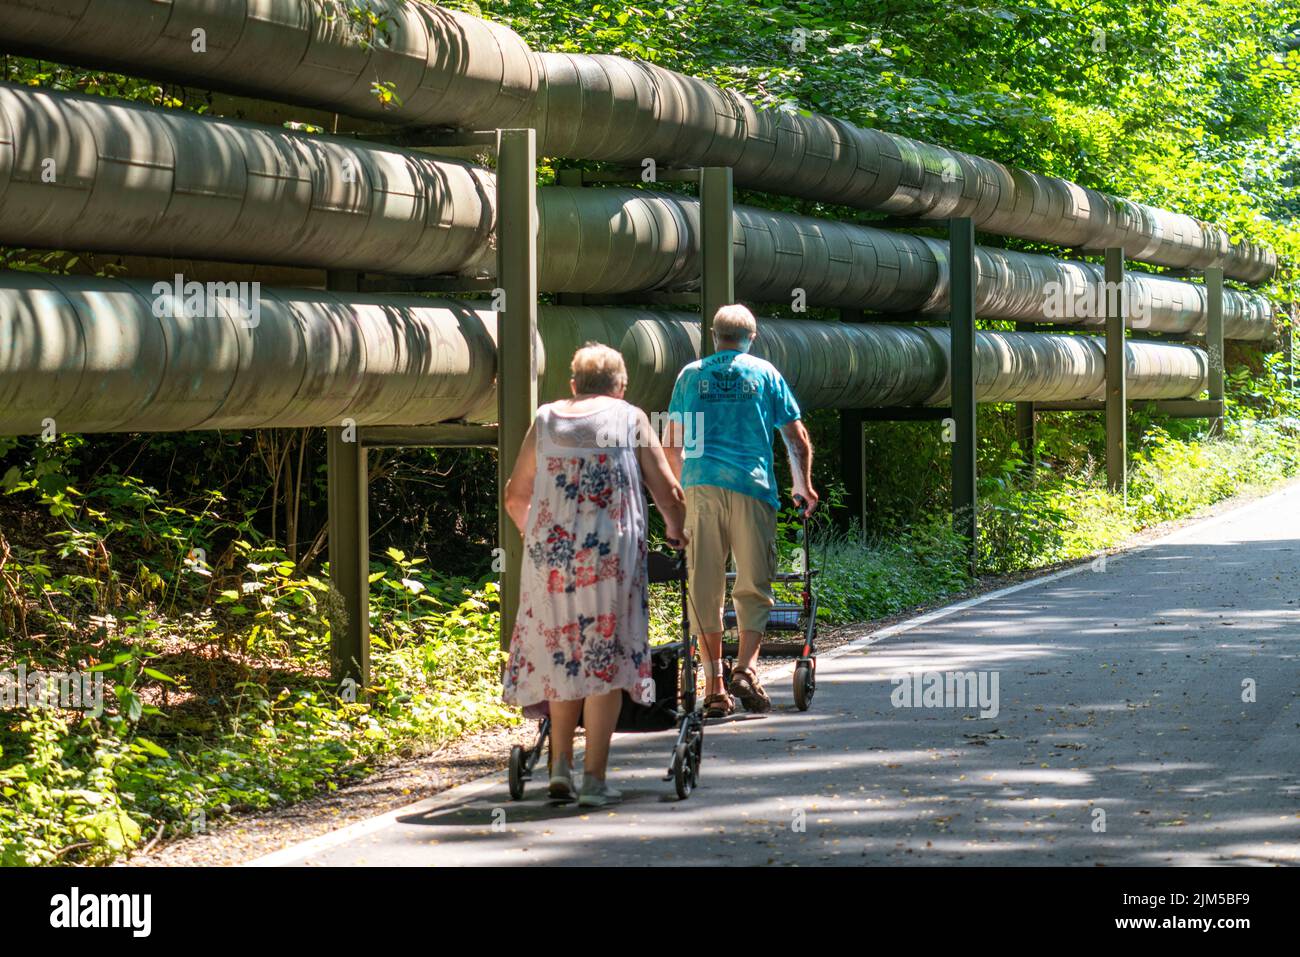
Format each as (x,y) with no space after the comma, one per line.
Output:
(673,450)
(659,479)
(519,489)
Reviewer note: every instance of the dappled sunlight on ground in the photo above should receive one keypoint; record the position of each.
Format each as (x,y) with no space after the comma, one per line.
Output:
(1123,735)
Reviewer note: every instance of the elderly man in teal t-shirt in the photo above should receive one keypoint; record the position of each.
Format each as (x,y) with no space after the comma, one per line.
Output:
(729,404)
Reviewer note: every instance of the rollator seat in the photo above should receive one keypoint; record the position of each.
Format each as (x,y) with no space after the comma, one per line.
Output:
(782,618)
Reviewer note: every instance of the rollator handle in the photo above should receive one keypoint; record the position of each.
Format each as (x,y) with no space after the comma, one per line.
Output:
(802,504)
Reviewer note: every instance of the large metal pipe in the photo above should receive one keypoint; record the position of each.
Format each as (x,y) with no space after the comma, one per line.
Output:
(90,173)
(846,365)
(99,355)
(610,108)
(444,67)
(93,355)
(451,68)
(610,240)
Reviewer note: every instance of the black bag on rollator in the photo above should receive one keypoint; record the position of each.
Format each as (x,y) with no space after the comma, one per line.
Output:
(665,671)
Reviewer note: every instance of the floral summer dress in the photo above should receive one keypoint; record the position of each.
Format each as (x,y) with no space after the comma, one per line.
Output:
(583,622)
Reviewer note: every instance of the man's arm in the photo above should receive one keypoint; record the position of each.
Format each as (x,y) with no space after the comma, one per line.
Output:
(798,445)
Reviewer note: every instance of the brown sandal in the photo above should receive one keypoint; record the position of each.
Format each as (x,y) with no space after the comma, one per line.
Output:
(745,686)
(719,706)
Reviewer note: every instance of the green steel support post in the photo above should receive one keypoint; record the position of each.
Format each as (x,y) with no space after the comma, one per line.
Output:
(516,338)
(853,453)
(961,238)
(349,551)
(1026,421)
(348,483)
(1214,339)
(718,282)
(574,178)
(853,467)
(1288,355)
(1116,376)
(450,435)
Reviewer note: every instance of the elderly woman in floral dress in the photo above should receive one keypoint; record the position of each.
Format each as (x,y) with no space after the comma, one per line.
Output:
(581,634)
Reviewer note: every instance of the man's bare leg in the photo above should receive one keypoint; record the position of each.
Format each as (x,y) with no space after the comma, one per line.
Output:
(747,654)
(711,651)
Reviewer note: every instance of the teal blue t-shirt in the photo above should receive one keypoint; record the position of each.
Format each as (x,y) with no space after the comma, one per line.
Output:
(729,404)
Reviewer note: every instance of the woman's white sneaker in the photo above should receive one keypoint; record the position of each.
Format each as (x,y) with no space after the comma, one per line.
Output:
(596,793)
(561,787)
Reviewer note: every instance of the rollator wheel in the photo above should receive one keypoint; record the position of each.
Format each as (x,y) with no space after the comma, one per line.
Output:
(517,773)
(804,685)
(683,770)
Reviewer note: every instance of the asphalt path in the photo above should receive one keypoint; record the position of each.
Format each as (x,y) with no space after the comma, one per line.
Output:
(1145,714)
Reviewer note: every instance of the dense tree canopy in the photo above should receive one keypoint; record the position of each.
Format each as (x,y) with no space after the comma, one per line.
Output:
(1189,104)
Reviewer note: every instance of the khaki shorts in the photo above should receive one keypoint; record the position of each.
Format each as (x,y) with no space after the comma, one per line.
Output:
(724,523)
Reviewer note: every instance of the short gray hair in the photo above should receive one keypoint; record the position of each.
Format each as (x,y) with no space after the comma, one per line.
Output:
(598,370)
(734,323)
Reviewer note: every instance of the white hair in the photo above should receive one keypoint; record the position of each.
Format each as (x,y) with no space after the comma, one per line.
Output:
(734,324)
(598,370)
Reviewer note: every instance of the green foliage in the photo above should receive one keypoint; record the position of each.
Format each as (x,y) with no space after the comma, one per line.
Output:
(882,576)
(51,806)
(217,696)
(1189,104)
(1068,516)
(1265,392)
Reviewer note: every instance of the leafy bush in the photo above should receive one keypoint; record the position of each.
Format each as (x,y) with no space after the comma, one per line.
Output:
(864,580)
(1062,517)
(217,691)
